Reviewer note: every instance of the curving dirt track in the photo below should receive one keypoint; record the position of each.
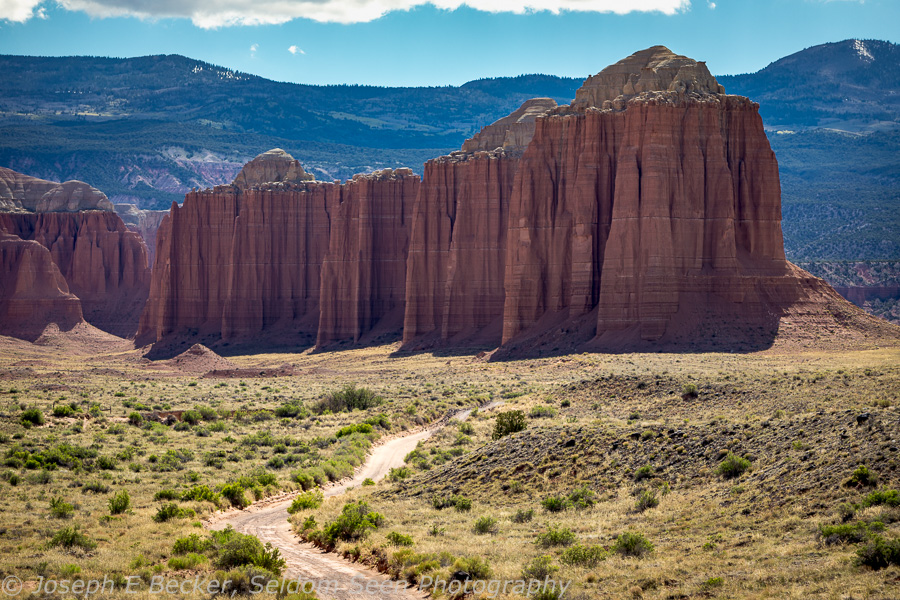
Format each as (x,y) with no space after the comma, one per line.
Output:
(345,580)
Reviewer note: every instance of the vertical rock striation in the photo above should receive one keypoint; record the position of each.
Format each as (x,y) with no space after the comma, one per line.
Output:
(292,260)
(454,278)
(104,266)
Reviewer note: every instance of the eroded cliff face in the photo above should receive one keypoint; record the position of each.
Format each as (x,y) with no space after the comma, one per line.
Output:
(364,272)
(33,293)
(676,193)
(103,263)
(143,222)
(256,263)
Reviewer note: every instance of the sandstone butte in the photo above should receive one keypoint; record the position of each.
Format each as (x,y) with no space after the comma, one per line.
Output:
(67,256)
(258,258)
(646,213)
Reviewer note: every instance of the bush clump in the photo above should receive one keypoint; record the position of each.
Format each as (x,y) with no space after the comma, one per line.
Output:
(119,502)
(71,537)
(632,544)
(848,533)
(540,568)
(646,500)
(348,399)
(509,422)
(485,525)
(354,522)
(170,511)
(60,509)
(583,556)
(733,466)
(862,477)
(879,553)
(555,536)
(882,498)
(398,539)
(460,503)
(306,501)
(32,416)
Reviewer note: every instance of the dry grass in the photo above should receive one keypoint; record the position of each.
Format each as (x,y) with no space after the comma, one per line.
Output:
(757,533)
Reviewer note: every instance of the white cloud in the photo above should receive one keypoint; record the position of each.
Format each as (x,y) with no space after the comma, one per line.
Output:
(253,49)
(712,5)
(220,13)
(296,50)
(19,11)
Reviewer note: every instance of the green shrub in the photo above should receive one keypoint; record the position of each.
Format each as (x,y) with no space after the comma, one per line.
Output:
(95,487)
(540,568)
(555,503)
(368,481)
(632,544)
(207,413)
(485,525)
(862,477)
(466,428)
(523,516)
(583,556)
(201,493)
(306,501)
(848,533)
(399,473)
(475,566)
(71,537)
(879,553)
(363,428)
(191,417)
(689,390)
(712,583)
(354,522)
(234,493)
(644,472)
(882,498)
(135,418)
(106,463)
(398,539)
(63,410)
(555,537)
(119,502)
(349,398)
(170,511)
(60,509)
(184,563)
(582,497)
(540,412)
(733,466)
(646,500)
(233,549)
(191,543)
(166,495)
(509,422)
(32,416)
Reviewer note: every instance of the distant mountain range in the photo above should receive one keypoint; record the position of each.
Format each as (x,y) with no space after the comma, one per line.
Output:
(149,129)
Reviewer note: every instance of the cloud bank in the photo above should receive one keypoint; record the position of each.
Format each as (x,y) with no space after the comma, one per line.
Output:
(210,14)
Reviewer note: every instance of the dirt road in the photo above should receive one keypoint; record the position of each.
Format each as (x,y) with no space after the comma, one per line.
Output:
(345,580)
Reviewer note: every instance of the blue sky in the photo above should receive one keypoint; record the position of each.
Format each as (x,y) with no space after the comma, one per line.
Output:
(345,41)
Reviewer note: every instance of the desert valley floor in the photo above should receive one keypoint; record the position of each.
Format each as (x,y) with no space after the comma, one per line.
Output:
(614,444)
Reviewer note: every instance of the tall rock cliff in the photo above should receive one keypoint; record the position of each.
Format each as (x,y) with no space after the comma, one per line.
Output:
(33,293)
(104,266)
(103,263)
(454,278)
(364,271)
(256,260)
(143,222)
(647,209)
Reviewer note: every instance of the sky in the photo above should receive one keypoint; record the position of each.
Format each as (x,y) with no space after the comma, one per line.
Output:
(442,42)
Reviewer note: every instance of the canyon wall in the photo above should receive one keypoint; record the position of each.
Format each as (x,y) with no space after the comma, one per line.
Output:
(104,266)
(257,261)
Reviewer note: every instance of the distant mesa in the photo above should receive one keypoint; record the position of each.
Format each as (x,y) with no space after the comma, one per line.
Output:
(273,166)
(23,193)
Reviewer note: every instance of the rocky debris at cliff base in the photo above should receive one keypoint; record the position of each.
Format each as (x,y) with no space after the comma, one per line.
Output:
(197,359)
